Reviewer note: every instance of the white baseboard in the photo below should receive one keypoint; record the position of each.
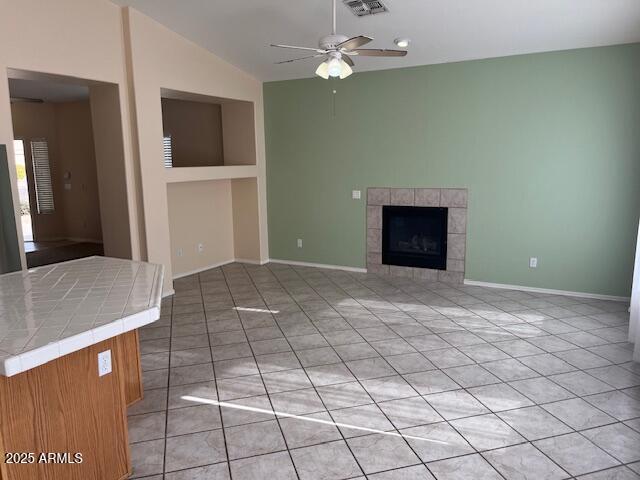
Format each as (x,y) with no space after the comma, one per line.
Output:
(219,264)
(202,269)
(345,268)
(567,293)
(319,265)
(251,262)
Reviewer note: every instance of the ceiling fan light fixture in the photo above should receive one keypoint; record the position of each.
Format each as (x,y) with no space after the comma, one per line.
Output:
(346,69)
(334,66)
(337,49)
(323,70)
(402,42)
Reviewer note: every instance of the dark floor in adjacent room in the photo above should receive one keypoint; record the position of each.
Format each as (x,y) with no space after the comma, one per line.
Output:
(48,252)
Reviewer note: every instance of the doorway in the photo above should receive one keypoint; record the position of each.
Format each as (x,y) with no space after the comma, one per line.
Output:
(69,164)
(56,171)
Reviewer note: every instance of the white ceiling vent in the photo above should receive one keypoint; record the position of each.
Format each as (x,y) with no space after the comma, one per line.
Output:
(365,7)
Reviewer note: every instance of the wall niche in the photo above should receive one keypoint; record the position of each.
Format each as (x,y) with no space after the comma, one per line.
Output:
(205,131)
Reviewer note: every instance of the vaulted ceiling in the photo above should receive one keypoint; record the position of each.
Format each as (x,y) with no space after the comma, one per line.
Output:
(240,31)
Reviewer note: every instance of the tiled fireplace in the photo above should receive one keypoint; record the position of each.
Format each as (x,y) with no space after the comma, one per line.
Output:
(453,199)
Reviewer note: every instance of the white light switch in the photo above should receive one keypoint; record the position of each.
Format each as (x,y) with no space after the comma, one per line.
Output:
(355,194)
(104,363)
(533,262)
(299,243)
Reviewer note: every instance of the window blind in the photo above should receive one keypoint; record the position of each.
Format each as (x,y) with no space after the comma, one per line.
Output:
(168,158)
(42,176)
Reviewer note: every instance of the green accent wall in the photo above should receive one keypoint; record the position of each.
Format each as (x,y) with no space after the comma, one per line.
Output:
(547,144)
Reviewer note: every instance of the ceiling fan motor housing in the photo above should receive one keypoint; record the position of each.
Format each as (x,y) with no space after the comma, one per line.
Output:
(330,42)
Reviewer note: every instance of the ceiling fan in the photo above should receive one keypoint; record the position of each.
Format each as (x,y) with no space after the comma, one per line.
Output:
(337,51)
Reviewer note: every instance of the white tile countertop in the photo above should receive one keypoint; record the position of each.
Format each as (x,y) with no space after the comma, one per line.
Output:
(51,311)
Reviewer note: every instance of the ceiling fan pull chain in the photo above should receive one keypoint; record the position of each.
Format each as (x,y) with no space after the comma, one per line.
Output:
(333,104)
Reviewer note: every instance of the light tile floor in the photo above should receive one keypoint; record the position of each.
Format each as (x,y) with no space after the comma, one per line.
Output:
(382,378)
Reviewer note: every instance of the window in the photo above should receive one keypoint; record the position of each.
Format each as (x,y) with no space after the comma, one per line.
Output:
(23,190)
(168,158)
(42,176)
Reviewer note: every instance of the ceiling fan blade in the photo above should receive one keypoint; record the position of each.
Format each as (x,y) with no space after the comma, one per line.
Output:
(372,52)
(347,60)
(300,58)
(355,42)
(317,50)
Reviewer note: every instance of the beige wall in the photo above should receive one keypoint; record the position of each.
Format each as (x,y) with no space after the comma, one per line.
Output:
(74,38)
(162,59)
(200,212)
(77,156)
(239,133)
(67,129)
(246,232)
(196,132)
(111,167)
(98,41)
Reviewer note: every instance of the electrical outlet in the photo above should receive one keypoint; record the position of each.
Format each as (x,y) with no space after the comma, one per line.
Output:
(533,262)
(356,195)
(200,247)
(104,363)
(180,252)
(299,243)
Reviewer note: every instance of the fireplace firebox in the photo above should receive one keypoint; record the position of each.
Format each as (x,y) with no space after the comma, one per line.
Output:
(414,236)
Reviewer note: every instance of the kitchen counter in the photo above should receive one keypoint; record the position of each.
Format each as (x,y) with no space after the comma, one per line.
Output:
(70,366)
(51,311)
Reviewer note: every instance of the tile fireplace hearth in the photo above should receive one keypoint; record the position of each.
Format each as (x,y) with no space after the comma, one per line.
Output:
(416,239)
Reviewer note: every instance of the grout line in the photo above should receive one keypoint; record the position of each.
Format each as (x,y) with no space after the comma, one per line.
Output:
(374,312)
(261,378)
(452,426)
(313,385)
(401,376)
(166,403)
(215,383)
(421,396)
(365,390)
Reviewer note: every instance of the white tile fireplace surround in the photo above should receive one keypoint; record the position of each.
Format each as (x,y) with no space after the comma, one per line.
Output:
(454,199)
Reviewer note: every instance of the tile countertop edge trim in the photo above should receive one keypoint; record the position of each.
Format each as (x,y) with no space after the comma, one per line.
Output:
(156,292)
(23,362)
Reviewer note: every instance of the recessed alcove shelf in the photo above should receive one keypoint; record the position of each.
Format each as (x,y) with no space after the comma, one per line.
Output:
(212,180)
(198,174)
(202,131)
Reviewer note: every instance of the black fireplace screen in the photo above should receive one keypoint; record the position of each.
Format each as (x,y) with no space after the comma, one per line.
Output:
(414,236)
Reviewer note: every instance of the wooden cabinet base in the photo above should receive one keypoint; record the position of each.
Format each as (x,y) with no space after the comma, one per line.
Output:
(131,366)
(65,407)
